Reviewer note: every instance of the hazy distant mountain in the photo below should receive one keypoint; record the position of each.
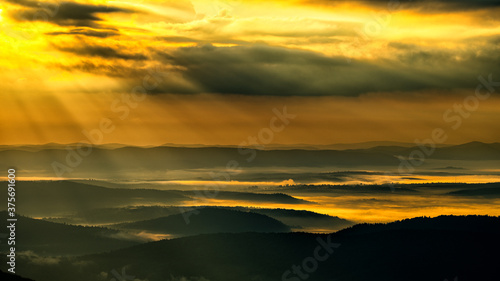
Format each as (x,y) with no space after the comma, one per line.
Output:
(209,220)
(370,144)
(153,162)
(418,249)
(39,147)
(113,163)
(351,189)
(48,238)
(469,151)
(335,146)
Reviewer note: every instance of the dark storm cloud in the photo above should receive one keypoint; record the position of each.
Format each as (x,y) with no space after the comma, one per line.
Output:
(181,39)
(63,13)
(26,3)
(456,5)
(265,70)
(454,62)
(495,40)
(115,70)
(276,71)
(423,5)
(87,32)
(104,52)
(178,39)
(402,46)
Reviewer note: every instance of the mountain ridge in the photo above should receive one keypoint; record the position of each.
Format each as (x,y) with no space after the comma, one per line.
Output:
(389,252)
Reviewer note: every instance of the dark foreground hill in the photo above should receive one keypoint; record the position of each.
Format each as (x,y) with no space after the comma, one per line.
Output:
(11,277)
(209,220)
(418,249)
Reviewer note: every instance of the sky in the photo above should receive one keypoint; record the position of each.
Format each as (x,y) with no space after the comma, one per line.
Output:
(226,72)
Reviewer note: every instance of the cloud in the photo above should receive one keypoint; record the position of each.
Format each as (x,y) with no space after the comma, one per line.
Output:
(39,260)
(224,54)
(115,70)
(182,39)
(102,52)
(455,5)
(179,39)
(171,11)
(87,32)
(63,13)
(421,5)
(263,70)
(267,70)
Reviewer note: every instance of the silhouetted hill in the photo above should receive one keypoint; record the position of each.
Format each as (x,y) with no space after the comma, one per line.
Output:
(4,276)
(431,249)
(60,198)
(261,197)
(297,219)
(49,198)
(454,223)
(48,238)
(118,215)
(300,219)
(366,188)
(491,190)
(209,220)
